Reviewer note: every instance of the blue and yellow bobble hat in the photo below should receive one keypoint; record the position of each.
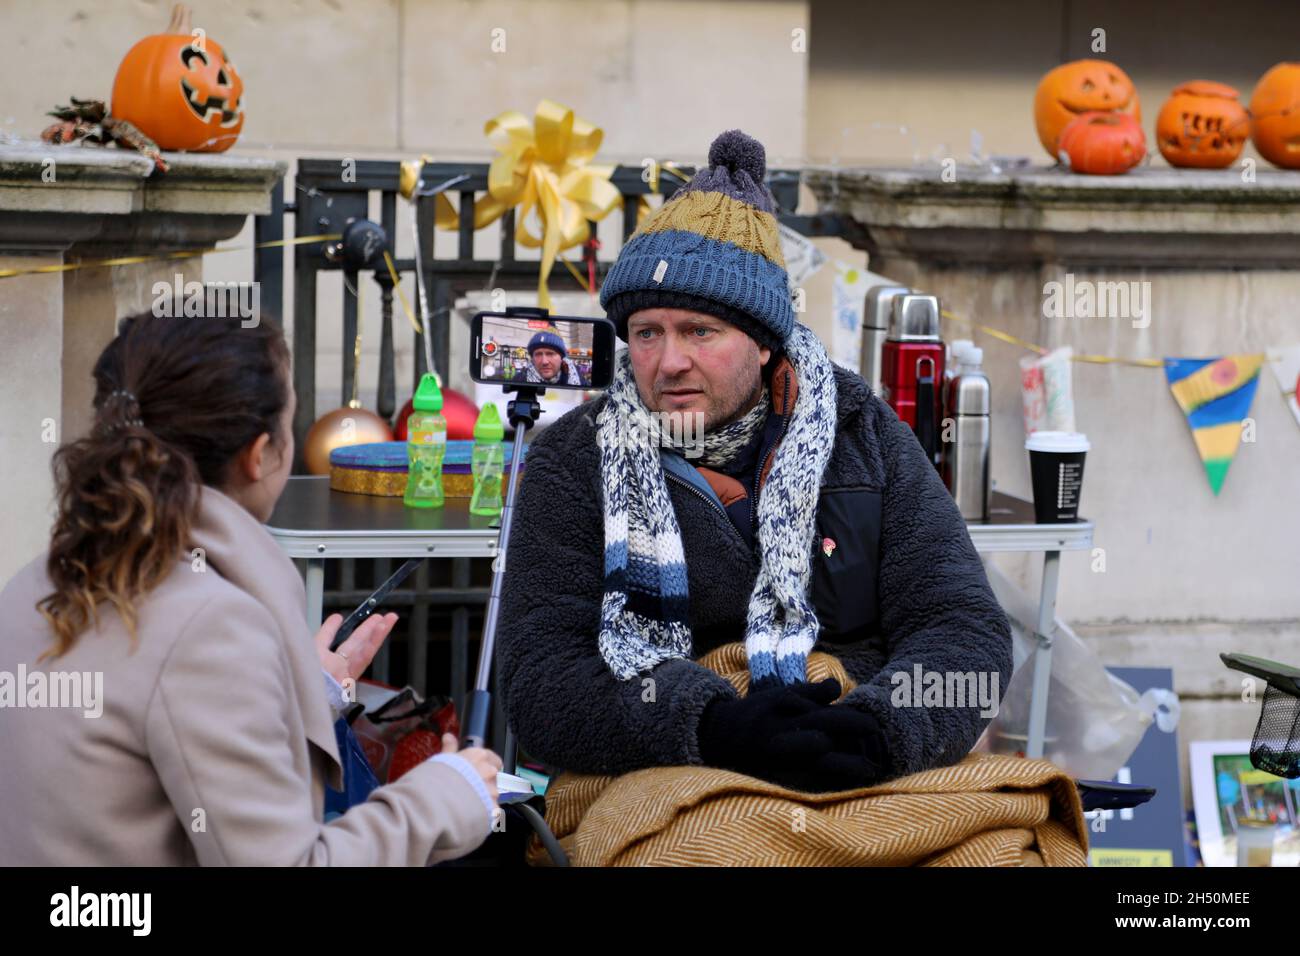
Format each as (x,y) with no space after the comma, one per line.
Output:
(713,248)
(548,338)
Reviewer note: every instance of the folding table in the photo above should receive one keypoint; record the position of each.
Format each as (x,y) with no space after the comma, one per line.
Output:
(1012,527)
(316,524)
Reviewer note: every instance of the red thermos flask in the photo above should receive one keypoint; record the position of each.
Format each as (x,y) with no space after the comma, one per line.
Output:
(912,367)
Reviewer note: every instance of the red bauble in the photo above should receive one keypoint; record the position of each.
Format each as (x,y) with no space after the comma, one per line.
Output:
(460,411)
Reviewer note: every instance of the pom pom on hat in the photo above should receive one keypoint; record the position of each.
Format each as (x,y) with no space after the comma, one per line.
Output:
(737,167)
(735,151)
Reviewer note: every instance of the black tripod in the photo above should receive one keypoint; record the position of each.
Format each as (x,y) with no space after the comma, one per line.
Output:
(522,411)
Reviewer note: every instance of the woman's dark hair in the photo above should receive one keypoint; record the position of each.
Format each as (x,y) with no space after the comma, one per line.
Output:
(176,399)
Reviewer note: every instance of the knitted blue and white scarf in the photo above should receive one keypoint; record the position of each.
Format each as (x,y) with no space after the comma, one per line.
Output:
(645,612)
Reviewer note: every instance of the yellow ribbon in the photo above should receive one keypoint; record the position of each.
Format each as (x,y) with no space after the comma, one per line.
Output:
(1024,344)
(543,167)
(401,296)
(184,254)
(408,178)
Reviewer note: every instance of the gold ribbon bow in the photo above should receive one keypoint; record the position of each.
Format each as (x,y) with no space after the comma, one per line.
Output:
(544,167)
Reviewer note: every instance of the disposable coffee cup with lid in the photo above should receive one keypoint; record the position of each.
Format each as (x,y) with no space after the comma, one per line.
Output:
(1056,469)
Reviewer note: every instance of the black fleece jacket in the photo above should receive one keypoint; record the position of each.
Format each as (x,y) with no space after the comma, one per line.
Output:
(932,602)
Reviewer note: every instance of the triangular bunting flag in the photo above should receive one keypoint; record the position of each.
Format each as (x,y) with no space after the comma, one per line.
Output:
(1215,395)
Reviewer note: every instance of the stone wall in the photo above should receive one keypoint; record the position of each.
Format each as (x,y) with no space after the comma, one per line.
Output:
(91,204)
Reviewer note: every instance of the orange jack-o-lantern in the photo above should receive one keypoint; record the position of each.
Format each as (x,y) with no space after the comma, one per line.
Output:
(180,90)
(1083,86)
(1275,115)
(1102,144)
(1202,125)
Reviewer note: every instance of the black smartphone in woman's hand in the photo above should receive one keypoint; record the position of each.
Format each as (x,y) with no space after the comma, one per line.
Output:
(370,604)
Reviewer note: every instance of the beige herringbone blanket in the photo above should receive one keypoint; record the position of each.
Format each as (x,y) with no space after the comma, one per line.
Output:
(986,810)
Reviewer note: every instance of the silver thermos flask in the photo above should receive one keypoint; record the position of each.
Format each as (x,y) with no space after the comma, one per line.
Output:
(875,329)
(969,430)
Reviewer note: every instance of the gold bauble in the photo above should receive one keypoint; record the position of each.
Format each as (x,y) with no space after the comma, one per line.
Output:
(343,426)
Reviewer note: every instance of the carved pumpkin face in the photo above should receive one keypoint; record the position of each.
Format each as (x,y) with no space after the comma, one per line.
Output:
(1275,109)
(1202,125)
(182,92)
(1103,144)
(1080,87)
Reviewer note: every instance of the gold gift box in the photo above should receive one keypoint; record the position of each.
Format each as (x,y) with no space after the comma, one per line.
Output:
(392,484)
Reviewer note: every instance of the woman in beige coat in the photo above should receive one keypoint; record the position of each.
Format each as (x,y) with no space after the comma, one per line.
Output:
(162,700)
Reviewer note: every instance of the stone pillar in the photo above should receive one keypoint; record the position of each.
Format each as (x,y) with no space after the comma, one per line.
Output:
(1187,574)
(64,206)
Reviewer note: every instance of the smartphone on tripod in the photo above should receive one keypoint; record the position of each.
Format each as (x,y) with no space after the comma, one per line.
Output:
(531,347)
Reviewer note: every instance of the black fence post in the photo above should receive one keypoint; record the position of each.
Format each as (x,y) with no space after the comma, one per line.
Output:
(268,264)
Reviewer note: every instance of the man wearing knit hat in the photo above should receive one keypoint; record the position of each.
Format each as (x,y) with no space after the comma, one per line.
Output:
(811,517)
(549,363)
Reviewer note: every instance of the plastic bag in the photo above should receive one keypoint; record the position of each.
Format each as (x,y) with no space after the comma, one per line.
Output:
(404,730)
(1047,391)
(1094,720)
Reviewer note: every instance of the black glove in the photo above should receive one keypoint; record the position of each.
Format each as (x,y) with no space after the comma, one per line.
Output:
(858,755)
(758,735)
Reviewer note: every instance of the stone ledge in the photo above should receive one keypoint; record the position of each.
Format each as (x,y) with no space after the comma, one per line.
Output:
(214,183)
(87,180)
(1148,217)
(107,197)
(1053,183)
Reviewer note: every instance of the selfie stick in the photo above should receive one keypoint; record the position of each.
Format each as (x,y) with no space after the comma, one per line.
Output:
(521,412)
